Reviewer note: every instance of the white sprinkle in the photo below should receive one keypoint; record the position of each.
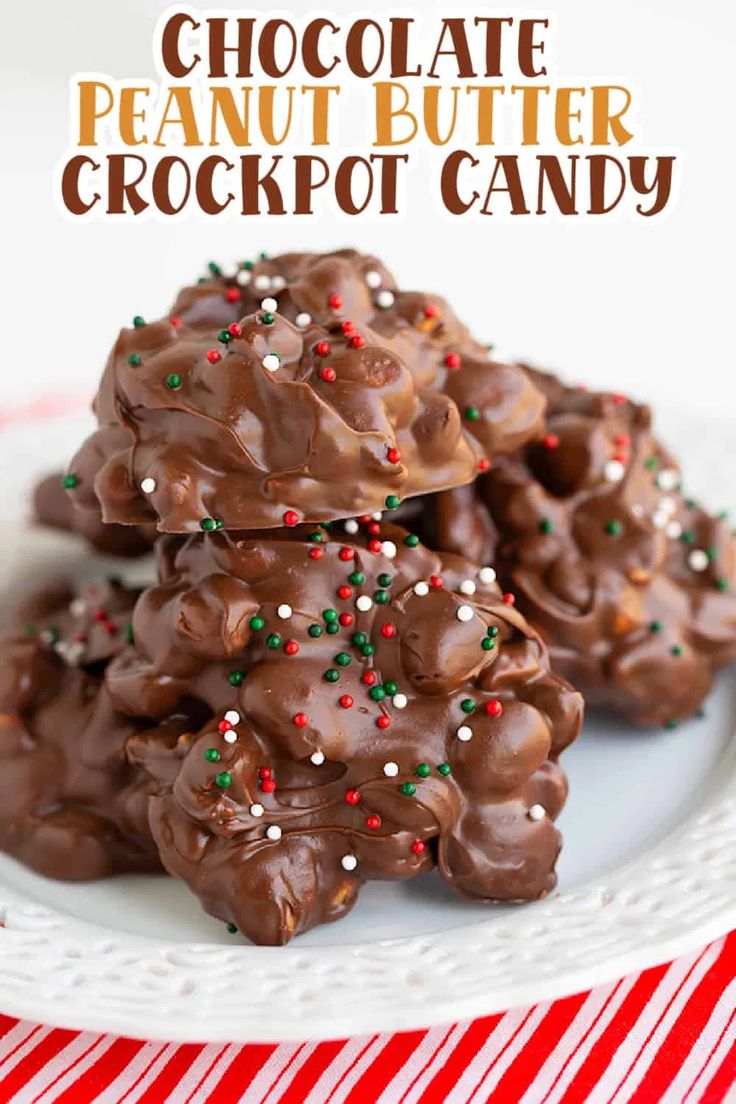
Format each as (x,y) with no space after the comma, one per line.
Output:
(271,362)
(659,519)
(487,575)
(228,271)
(351,526)
(467,586)
(464,733)
(278,283)
(273,832)
(537,812)
(399,701)
(385,299)
(674,530)
(348,862)
(373,279)
(269,304)
(614,471)
(389,549)
(390,769)
(363,603)
(667,480)
(243,278)
(78,607)
(637,510)
(257,810)
(230,737)
(377,516)
(698,560)
(148,485)
(302,320)
(667,504)
(262,282)
(421,589)
(284,611)
(464,613)
(232,716)
(317,757)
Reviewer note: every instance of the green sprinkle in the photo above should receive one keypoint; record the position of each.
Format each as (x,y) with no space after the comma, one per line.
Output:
(423,770)
(368,650)
(545,526)
(332,627)
(208,524)
(212,755)
(329,615)
(691,504)
(224,337)
(676,649)
(30,630)
(408,789)
(650,463)
(712,554)
(248,266)
(52,634)
(173,382)
(493,630)
(656,626)
(263,256)
(391,687)
(392,501)
(214,268)
(356,578)
(687,536)
(670,724)
(129,634)
(376,693)
(444,769)
(343,659)
(138,321)
(231,929)
(381,597)
(224,780)
(235,678)
(69,482)
(487,644)
(268,318)
(412,540)
(722,585)
(273,640)
(315,630)
(613,528)
(256,623)
(358,639)
(331,675)
(134,359)
(472,413)
(316,537)
(385,580)
(467,705)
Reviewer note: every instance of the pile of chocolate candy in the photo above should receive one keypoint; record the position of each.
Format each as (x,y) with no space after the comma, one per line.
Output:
(380,554)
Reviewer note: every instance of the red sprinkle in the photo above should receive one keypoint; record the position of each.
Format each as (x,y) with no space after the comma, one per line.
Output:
(509,599)
(494,708)
(268,785)
(234,329)
(357,341)
(623,440)
(347,326)
(329,375)
(436,581)
(369,678)
(264,772)
(388,630)
(315,553)
(430,311)
(383,721)
(335,302)
(301,720)
(418,847)
(484,464)
(346,701)
(346,553)
(224,726)
(393,456)
(213,356)
(374,528)
(291,518)
(374,545)
(291,647)
(551,441)
(373,822)
(344,592)
(352,797)
(346,619)
(364,519)
(322,348)
(452,360)
(176,321)
(618,398)
(100,615)
(232,295)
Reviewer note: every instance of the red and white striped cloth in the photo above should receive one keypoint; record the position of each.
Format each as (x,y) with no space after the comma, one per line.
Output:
(667,1035)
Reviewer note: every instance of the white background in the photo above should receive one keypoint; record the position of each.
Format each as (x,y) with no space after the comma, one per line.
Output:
(639,305)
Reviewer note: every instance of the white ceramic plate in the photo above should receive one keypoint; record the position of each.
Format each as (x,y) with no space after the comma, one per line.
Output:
(648,872)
